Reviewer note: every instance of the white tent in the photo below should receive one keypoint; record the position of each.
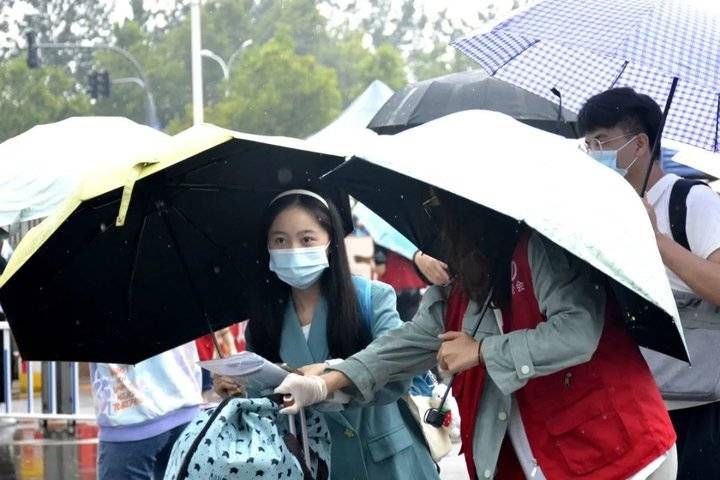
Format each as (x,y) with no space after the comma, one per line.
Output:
(349,129)
(42,166)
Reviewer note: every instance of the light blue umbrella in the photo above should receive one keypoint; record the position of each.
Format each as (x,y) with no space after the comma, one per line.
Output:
(579,48)
(383,233)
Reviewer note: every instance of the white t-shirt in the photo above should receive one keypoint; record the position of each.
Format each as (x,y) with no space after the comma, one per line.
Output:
(702,225)
(306,330)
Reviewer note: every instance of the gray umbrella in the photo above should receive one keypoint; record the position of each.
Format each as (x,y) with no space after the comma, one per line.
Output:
(419,103)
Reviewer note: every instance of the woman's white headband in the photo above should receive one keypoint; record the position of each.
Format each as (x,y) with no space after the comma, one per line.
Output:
(300,191)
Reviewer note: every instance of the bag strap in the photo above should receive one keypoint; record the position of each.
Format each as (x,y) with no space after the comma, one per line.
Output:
(677,209)
(185,465)
(295,447)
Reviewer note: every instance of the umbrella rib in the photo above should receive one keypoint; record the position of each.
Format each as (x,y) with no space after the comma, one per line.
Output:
(208,238)
(188,276)
(207,187)
(514,57)
(617,77)
(717,121)
(134,267)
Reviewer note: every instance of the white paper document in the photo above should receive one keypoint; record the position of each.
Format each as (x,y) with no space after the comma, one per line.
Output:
(262,376)
(248,369)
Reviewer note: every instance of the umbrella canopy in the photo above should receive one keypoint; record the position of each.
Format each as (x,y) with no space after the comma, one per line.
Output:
(182,262)
(530,175)
(382,232)
(583,47)
(43,166)
(424,101)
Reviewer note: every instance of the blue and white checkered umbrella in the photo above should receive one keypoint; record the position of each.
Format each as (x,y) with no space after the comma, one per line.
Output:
(583,47)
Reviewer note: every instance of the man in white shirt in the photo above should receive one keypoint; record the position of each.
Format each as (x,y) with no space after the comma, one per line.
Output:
(620,127)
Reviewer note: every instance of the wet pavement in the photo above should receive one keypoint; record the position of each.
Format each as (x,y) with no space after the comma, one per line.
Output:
(30,452)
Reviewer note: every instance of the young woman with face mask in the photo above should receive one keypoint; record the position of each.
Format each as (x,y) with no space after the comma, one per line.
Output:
(310,310)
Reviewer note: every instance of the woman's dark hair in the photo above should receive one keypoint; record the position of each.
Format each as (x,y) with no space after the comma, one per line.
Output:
(478,244)
(345,331)
(624,108)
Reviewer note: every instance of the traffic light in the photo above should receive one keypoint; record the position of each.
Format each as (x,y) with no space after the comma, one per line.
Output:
(33,57)
(93,82)
(99,84)
(104,83)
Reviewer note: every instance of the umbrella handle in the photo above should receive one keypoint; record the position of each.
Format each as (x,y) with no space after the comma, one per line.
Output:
(656,143)
(434,416)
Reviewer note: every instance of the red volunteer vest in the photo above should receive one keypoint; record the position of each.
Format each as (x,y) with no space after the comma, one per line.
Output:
(465,383)
(600,420)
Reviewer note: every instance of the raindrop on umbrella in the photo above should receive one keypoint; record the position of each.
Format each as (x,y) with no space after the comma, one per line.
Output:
(284,176)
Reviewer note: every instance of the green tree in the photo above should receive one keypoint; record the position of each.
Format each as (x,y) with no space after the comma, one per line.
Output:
(61,21)
(420,36)
(357,66)
(440,60)
(277,92)
(31,97)
(165,64)
(227,25)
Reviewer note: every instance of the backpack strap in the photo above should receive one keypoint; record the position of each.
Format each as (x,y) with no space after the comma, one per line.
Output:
(677,209)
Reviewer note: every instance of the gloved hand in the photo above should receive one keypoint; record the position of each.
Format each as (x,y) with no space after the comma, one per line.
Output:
(302,391)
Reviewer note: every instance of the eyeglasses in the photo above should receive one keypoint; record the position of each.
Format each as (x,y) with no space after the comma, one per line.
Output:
(595,145)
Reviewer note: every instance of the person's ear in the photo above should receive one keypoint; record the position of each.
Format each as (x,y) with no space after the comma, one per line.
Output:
(643,144)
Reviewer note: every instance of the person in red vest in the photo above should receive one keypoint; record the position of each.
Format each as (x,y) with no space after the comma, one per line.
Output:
(551,387)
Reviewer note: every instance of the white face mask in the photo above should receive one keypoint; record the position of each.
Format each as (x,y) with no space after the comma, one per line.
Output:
(609,157)
(299,267)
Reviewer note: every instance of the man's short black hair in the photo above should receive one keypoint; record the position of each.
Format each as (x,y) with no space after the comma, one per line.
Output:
(621,107)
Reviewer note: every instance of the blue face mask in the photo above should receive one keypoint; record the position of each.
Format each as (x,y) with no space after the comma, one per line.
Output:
(299,267)
(609,158)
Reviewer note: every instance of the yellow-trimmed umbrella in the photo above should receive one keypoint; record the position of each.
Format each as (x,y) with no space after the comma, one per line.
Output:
(143,259)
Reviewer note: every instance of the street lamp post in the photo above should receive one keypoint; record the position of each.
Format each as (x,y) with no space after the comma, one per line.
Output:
(212,55)
(150,110)
(226,66)
(237,52)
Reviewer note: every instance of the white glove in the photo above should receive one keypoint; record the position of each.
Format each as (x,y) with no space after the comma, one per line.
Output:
(303,391)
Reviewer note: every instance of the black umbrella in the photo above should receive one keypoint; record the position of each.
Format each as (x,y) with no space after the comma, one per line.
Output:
(182,264)
(424,101)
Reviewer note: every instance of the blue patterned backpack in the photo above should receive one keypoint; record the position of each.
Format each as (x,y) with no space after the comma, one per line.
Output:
(244,438)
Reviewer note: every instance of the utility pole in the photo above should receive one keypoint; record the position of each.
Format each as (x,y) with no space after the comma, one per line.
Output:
(196,57)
